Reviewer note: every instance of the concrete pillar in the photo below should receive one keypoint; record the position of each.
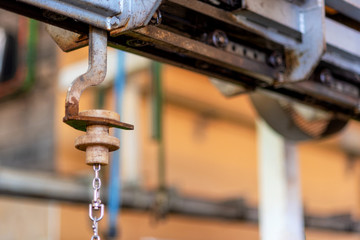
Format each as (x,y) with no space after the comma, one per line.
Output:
(280,204)
(130,140)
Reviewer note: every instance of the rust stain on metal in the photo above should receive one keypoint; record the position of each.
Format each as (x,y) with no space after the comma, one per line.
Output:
(95,74)
(72,108)
(67,40)
(291,60)
(120,30)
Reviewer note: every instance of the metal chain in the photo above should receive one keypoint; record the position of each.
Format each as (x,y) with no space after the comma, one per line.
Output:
(96,204)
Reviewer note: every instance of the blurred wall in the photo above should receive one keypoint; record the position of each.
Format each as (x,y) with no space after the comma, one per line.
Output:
(27,135)
(27,116)
(210,150)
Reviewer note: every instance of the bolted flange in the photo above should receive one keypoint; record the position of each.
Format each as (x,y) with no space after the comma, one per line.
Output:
(97,143)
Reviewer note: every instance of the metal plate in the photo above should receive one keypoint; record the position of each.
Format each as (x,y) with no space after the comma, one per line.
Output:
(81,122)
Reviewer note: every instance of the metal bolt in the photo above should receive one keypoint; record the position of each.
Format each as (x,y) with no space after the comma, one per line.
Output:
(219,39)
(115,22)
(276,59)
(326,77)
(156,18)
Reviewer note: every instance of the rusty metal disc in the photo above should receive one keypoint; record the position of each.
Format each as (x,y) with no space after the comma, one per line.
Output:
(96,117)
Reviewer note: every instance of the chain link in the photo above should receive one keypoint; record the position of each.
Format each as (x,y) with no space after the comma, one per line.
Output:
(96,205)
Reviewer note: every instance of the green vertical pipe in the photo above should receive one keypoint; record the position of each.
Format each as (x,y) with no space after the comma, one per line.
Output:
(31,54)
(157,122)
(157,101)
(100,97)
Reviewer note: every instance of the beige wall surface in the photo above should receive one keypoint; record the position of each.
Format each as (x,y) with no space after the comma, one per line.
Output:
(210,149)
(139,226)
(28,219)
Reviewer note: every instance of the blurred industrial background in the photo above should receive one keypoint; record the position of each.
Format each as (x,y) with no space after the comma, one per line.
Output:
(189,170)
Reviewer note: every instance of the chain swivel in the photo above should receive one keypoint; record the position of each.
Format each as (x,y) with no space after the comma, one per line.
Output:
(96,205)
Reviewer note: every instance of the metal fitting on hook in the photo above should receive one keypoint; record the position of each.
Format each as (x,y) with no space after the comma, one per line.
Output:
(97,142)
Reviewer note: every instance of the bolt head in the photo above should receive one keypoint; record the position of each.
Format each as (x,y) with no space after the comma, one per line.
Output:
(114,22)
(326,77)
(219,39)
(276,59)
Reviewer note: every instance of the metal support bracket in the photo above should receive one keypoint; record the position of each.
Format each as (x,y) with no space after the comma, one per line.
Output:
(303,50)
(107,15)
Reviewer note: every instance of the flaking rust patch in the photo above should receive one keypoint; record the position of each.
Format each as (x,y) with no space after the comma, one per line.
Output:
(72,108)
(291,60)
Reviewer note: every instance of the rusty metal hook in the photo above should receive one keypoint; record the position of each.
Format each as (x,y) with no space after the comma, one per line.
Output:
(95,74)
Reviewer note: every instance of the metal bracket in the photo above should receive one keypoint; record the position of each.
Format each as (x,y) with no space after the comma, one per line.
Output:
(107,15)
(302,53)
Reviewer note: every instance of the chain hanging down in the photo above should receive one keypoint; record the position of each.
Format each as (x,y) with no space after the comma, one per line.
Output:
(97,143)
(96,204)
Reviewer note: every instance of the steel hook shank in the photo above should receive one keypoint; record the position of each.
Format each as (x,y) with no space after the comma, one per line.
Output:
(95,74)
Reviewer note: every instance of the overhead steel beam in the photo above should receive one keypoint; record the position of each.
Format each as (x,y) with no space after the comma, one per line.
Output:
(349,8)
(107,15)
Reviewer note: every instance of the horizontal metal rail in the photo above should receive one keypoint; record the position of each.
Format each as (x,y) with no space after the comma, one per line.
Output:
(49,186)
